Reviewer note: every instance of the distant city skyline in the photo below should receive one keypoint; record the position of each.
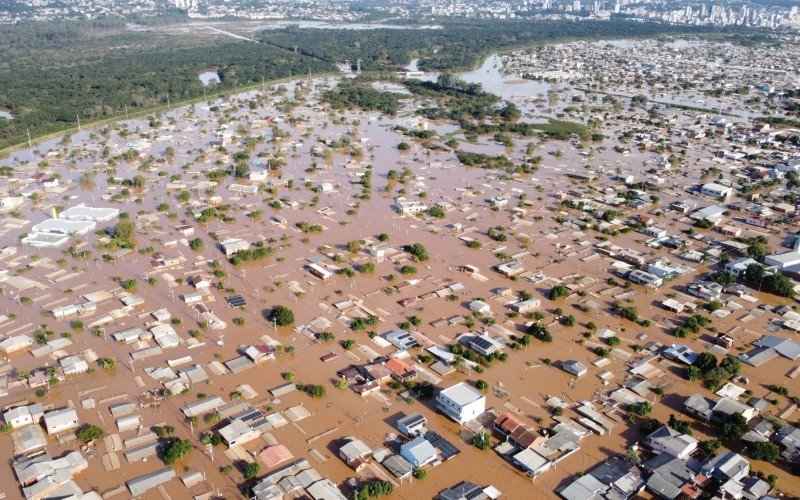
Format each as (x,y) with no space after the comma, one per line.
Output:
(724,13)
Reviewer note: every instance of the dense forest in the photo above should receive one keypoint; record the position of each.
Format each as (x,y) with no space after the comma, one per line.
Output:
(50,99)
(51,73)
(354,94)
(460,44)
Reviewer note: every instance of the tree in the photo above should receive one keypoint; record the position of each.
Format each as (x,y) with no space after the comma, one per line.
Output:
(765,451)
(317,391)
(420,474)
(780,285)
(735,427)
(540,332)
(281,316)
(710,446)
(724,278)
(757,250)
(418,251)
(693,373)
(251,470)
(196,244)
(481,385)
(373,490)
(681,426)
(641,409)
(437,212)
(177,449)
(164,431)
(481,441)
(108,363)
(754,273)
(90,433)
(731,364)
(632,456)
(705,361)
(348,344)
(558,291)
(124,229)
(408,270)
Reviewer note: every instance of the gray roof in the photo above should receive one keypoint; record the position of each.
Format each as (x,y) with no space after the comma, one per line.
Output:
(759,356)
(355,449)
(398,466)
(699,404)
(586,487)
(785,347)
(463,491)
(325,489)
(726,465)
(669,474)
(142,484)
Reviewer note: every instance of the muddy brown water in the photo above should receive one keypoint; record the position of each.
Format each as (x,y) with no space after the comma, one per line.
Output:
(524,377)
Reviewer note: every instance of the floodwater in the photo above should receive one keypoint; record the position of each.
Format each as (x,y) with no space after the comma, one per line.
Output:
(526,381)
(209,77)
(492,78)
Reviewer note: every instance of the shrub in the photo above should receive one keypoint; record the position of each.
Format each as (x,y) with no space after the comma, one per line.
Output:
(317,391)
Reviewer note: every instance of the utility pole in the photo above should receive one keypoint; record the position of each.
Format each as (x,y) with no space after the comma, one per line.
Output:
(30,144)
(126,111)
(79,122)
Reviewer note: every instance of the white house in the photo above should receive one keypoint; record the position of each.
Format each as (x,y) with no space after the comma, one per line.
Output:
(716,191)
(15,343)
(461,402)
(419,452)
(739,266)
(410,206)
(480,307)
(667,440)
(237,433)
(61,420)
(233,245)
(23,415)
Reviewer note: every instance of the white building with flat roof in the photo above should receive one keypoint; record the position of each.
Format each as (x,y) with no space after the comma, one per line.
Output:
(83,213)
(61,226)
(461,402)
(716,191)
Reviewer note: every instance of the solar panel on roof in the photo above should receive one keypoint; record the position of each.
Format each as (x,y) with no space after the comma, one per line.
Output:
(235,301)
(482,343)
(445,447)
(412,420)
(473,494)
